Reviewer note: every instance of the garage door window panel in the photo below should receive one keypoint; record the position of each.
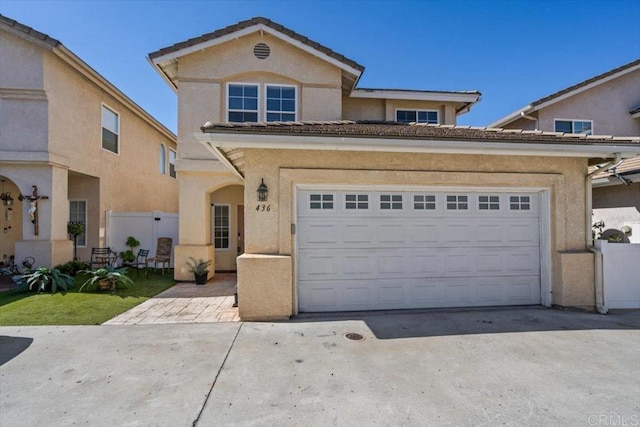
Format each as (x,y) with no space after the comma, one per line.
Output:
(391,201)
(457,202)
(424,201)
(321,201)
(356,201)
(520,203)
(486,203)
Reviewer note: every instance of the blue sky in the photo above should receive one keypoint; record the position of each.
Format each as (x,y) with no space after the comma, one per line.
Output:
(512,51)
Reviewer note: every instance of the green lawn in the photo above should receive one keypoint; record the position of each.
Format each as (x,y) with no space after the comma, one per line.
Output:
(23,307)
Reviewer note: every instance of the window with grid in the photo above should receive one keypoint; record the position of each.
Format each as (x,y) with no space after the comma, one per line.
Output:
(110,130)
(519,203)
(281,104)
(221,226)
(356,201)
(78,213)
(457,203)
(390,201)
(243,103)
(574,126)
(417,116)
(424,201)
(321,201)
(486,203)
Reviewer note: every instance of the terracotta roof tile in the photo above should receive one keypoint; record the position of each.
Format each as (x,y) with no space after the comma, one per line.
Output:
(379,129)
(627,167)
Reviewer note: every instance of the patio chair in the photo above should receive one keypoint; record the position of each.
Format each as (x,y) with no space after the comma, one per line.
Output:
(100,257)
(140,261)
(163,253)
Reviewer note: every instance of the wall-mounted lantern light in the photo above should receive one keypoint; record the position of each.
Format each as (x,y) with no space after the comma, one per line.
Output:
(263,192)
(6,198)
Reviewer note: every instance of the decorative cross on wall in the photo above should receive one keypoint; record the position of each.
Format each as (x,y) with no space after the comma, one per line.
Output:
(33,206)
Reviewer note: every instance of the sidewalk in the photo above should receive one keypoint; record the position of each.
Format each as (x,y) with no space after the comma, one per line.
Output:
(186,303)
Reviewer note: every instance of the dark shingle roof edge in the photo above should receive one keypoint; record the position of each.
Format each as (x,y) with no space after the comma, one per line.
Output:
(586,82)
(251,22)
(394,130)
(41,37)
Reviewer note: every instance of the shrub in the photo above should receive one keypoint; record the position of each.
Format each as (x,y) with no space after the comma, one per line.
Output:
(43,278)
(72,267)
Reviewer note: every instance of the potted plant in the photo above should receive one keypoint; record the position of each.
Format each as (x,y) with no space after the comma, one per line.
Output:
(107,278)
(43,278)
(75,229)
(128,255)
(200,269)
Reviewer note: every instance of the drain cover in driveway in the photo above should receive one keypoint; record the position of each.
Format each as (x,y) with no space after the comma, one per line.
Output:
(353,336)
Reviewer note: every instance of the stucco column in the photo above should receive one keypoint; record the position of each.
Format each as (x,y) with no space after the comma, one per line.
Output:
(51,246)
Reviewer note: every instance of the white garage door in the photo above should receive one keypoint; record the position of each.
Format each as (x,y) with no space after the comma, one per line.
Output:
(379,250)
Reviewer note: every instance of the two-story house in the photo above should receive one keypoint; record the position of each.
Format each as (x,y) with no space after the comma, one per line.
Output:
(85,145)
(607,104)
(341,198)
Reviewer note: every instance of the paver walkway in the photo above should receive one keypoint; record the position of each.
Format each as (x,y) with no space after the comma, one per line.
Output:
(186,303)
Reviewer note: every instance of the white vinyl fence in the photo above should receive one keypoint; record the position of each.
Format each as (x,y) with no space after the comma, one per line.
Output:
(621,271)
(144,226)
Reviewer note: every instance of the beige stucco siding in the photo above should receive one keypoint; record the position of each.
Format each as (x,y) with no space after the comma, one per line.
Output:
(131,180)
(21,63)
(563,178)
(363,109)
(608,105)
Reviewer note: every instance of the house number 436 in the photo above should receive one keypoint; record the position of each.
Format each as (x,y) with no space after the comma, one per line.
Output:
(263,208)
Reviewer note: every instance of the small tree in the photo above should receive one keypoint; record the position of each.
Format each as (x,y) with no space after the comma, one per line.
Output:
(129,256)
(75,229)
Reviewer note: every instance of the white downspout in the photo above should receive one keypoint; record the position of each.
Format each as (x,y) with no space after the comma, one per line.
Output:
(598,279)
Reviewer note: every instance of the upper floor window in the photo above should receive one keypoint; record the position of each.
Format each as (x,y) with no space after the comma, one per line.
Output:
(281,103)
(417,116)
(243,103)
(162,159)
(574,126)
(110,129)
(172,163)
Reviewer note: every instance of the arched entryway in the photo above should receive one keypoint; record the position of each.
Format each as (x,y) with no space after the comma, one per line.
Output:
(10,219)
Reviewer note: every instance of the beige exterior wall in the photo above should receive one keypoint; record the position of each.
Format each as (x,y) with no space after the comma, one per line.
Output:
(268,233)
(607,105)
(51,121)
(385,109)
(617,206)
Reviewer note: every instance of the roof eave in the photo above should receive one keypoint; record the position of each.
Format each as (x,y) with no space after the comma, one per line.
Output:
(386,144)
(416,95)
(513,116)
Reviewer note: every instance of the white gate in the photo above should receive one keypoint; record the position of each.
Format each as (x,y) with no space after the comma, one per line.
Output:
(144,226)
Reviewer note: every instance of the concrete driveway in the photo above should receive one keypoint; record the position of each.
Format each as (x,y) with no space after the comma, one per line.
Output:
(473,367)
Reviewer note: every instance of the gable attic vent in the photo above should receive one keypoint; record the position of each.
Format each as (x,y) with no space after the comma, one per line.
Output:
(261,51)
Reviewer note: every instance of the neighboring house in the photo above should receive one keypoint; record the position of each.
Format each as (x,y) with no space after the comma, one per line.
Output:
(607,104)
(338,200)
(85,145)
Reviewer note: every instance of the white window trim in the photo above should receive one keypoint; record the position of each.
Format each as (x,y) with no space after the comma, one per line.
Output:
(213,226)
(228,110)
(86,219)
(264,103)
(417,110)
(171,150)
(166,159)
(573,125)
(102,126)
